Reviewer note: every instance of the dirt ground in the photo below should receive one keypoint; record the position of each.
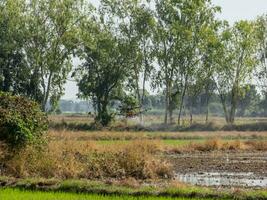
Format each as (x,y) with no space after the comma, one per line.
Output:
(221,162)
(227,169)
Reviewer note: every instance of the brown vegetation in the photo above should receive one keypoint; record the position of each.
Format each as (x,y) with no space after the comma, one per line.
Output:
(82,155)
(71,159)
(220,145)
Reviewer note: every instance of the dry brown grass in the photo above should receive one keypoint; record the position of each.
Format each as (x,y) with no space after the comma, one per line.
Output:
(74,155)
(258,145)
(217,145)
(72,160)
(220,145)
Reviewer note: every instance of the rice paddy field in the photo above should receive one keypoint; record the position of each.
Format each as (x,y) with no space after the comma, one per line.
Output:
(9,194)
(132,163)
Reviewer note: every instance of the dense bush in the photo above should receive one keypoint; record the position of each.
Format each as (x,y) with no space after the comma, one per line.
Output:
(21,121)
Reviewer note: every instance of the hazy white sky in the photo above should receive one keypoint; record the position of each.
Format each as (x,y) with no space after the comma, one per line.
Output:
(232,10)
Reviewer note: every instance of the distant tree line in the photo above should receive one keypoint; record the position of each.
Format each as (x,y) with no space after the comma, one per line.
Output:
(176,48)
(69,106)
(251,104)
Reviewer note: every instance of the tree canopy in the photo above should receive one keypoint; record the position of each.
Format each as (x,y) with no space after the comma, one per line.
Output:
(177,48)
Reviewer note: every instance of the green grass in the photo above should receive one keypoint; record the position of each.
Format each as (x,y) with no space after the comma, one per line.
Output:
(168,142)
(181,142)
(31,189)
(14,194)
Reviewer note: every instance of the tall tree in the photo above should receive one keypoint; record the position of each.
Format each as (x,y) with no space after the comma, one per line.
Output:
(262,50)
(13,69)
(104,70)
(165,47)
(52,27)
(210,44)
(234,69)
(134,23)
(180,28)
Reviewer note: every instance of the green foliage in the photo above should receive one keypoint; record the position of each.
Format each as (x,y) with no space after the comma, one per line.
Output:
(182,28)
(129,107)
(21,121)
(234,69)
(176,46)
(13,71)
(37,41)
(52,36)
(104,69)
(135,23)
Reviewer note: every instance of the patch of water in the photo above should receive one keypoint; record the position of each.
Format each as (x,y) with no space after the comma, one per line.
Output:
(223,179)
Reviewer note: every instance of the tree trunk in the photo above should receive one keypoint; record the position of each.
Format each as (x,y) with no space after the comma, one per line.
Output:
(182,99)
(191,116)
(207,104)
(170,114)
(233,105)
(166,104)
(181,106)
(47,92)
(138,94)
(102,112)
(191,112)
(234,99)
(227,119)
(7,80)
(144,86)
(207,113)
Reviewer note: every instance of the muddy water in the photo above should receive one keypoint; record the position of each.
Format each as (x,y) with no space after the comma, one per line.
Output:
(223,179)
(222,169)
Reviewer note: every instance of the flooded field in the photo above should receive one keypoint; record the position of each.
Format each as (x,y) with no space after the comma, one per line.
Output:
(222,169)
(223,179)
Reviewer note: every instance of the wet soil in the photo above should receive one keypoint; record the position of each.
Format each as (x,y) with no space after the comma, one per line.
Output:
(222,169)
(221,162)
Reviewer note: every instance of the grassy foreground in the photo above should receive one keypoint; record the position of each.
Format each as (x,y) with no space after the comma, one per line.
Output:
(14,194)
(31,189)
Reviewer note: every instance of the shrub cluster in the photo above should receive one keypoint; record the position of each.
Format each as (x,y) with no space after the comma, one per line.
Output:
(75,160)
(21,120)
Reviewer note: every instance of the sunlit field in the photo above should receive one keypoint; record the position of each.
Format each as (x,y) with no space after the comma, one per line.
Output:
(133,100)
(137,161)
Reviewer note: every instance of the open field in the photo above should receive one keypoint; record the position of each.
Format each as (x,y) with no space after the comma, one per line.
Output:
(154,119)
(143,163)
(142,155)
(158,135)
(153,123)
(133,100)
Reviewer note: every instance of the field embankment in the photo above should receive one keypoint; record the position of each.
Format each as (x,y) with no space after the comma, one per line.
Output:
(18,195)
(54,189)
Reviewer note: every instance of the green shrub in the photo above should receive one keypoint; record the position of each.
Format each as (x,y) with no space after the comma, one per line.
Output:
(21,121)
